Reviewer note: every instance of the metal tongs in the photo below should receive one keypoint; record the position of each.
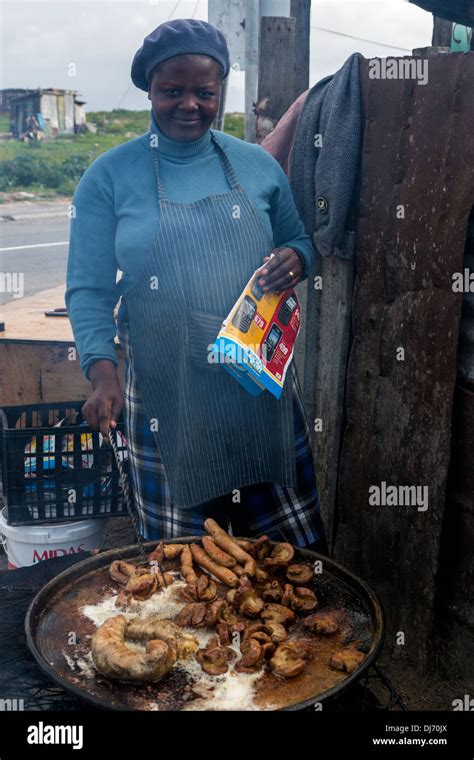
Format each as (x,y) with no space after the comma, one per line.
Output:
(130,506)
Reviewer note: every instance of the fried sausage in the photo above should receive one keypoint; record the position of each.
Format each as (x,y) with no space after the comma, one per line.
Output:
(172,551)
(217,554)
(221,573)
(187,569)
(152,627)
(230,546)
(113,658)
(247,546)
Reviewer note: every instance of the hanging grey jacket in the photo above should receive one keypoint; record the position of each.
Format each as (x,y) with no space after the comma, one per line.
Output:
(324,179)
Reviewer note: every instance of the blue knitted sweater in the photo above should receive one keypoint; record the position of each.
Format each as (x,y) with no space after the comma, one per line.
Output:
(116,214)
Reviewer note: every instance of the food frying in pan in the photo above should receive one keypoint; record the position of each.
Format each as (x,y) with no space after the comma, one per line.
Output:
(114,658)
(347,659)
(323,623)
(237,607)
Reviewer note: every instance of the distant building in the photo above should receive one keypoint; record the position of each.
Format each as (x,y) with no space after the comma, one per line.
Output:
(57,112)
(7,94)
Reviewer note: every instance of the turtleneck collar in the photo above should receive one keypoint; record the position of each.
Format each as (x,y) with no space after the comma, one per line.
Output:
(178,148)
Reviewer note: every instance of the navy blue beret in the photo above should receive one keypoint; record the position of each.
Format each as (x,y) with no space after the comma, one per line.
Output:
(183,35)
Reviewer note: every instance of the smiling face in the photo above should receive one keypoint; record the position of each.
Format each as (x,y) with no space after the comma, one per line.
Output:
(184,92)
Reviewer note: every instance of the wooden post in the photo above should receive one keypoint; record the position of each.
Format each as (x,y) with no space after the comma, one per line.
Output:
(442,32)
(300,10)
(283,64)
(277,74)
(411,233)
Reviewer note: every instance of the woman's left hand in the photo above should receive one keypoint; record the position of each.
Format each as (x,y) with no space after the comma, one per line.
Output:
(283,271)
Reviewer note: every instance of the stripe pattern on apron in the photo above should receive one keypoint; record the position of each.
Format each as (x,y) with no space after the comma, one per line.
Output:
(279,512)
(213,436)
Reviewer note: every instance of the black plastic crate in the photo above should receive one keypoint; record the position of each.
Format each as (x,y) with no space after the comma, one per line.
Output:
(56,474)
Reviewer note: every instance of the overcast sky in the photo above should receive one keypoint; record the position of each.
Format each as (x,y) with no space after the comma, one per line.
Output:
(39,41)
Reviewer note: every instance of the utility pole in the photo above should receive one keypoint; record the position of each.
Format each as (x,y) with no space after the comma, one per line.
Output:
(252,45)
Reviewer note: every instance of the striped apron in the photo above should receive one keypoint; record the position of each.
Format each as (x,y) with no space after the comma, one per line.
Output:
(281,513)
(212,436)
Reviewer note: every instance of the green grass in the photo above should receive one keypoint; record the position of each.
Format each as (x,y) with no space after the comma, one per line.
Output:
(53,168)
(4,122)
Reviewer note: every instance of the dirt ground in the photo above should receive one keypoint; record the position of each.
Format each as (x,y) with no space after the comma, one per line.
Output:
(451,674)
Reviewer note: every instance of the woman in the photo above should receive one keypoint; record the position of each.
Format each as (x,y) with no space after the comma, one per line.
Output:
(187,214)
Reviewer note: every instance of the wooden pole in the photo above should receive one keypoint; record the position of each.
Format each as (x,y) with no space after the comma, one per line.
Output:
(442,32)
(283,64)
(300,10)
(277,76)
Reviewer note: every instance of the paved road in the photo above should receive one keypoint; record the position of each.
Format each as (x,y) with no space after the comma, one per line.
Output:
(33,248)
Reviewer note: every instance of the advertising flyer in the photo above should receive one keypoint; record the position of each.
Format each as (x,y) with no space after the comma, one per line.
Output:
(257,339)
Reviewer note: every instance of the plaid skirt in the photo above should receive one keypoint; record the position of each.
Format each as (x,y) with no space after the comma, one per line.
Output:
(287,514)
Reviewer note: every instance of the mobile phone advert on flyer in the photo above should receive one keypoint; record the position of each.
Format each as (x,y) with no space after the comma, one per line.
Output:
(257,338)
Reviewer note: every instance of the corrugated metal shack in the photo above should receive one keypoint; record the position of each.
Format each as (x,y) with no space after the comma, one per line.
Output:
(57,112)
(7,93)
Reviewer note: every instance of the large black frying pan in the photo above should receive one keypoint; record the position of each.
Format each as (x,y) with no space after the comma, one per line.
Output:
(56,630)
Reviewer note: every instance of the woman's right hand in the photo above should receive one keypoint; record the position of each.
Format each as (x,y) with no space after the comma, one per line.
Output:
(102,408)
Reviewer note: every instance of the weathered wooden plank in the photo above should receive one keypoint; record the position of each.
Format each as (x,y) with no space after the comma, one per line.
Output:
(418,155)
(321,359)
(456,575)
(327,364)
(277,73)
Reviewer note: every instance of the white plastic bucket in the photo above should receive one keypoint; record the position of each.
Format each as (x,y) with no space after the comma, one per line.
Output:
(29,544)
